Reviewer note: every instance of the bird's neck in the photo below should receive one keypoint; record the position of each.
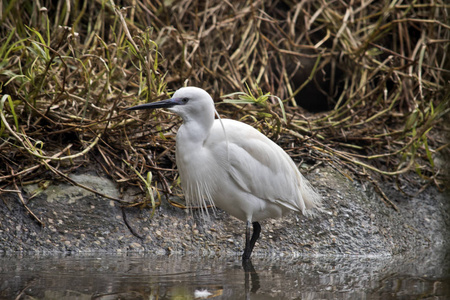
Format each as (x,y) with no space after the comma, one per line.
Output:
(194,131)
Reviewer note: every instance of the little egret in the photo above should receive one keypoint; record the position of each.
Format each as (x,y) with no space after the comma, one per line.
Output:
(231,165)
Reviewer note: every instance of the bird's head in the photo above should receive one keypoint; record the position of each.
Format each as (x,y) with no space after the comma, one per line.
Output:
(190,103)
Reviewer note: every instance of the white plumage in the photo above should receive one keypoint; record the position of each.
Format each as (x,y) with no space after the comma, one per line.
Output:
(231,165)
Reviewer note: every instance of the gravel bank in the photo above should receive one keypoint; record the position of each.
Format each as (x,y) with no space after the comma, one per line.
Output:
(356,222)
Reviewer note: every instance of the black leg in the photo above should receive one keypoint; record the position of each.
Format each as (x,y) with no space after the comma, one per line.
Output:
(247,251)
(250,242)
(255,235)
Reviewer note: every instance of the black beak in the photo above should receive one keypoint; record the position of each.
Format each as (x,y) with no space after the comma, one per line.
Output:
(160,104)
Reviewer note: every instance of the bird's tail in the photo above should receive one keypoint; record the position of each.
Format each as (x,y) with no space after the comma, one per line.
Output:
(311,199)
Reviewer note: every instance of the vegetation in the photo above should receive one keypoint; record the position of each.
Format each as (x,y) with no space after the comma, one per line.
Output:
(69,68)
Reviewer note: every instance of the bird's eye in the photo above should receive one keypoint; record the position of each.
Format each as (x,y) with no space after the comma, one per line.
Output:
(185,100)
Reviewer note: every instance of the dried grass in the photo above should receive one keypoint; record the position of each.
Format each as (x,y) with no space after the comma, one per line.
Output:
(68,69)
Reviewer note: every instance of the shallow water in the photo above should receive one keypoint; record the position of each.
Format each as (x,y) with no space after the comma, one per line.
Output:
(143,276)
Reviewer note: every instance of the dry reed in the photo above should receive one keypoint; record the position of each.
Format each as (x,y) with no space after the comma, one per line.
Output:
(69,68)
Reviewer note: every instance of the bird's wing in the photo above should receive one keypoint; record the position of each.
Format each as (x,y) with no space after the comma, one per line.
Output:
(260,167)
(262,170)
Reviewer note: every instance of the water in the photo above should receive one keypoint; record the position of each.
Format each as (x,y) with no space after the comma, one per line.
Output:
(143,276)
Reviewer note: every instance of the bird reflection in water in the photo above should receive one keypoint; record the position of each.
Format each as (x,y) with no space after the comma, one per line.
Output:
(251,277)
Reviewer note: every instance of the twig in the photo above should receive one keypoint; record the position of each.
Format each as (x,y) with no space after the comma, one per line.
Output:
(59,173)
(19,194)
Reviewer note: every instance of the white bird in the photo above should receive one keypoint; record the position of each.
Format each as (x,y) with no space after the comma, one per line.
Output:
(231,165)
